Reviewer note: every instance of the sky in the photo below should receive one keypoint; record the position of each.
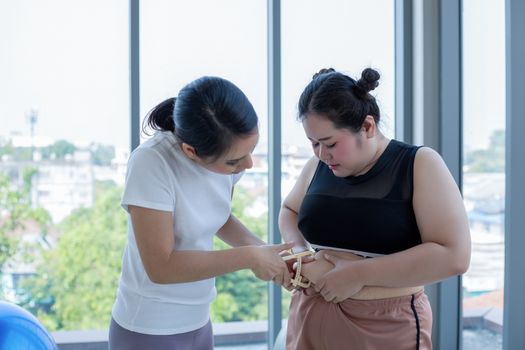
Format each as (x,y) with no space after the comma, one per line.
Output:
(68,60)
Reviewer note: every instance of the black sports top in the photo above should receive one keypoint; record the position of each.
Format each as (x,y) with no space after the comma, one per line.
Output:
(370,214)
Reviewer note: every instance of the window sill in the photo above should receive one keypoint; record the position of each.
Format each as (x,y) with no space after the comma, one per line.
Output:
(229,333)
(483,318)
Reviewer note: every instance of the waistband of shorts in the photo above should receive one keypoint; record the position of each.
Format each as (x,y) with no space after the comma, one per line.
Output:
(387,303)
(357,305)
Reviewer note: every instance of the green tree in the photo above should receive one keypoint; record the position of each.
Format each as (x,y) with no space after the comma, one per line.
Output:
(102,154)
(241,295)
(79,277)
(58,150)
(12,205)
(15,208)
(75,283)
(490,160)
(6,149)
(15,153)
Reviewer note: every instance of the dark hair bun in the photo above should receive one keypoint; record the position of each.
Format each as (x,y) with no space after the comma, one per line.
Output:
(369,80)
(323,71)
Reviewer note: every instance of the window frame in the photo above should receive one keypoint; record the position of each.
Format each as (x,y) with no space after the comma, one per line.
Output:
(443,28)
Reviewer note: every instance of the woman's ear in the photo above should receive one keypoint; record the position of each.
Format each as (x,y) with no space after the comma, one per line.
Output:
(189,151)
(369,126)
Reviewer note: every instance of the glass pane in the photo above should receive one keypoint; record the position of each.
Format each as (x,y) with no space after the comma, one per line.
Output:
(484,170)
(182,41)
(311,41)
(64,143)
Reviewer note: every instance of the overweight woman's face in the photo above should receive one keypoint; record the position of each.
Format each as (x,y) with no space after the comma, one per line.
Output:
(340,149)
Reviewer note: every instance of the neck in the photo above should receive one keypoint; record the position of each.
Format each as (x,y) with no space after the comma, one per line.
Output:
(381,144)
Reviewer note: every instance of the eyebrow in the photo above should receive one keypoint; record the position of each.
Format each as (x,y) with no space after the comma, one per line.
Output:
(238,159)
(321,139)
(235,160)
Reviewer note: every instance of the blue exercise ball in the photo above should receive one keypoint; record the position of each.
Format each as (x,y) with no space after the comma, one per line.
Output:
(20,330)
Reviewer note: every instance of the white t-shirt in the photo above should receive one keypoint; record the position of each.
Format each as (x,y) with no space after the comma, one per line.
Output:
(160,176)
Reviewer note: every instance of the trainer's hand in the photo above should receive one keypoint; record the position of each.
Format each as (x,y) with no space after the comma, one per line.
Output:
(292,263)
(267,264)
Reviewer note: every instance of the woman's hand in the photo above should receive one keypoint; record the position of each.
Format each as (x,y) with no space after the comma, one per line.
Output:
(289,266)
(340,283)
(268,264)
(292,262)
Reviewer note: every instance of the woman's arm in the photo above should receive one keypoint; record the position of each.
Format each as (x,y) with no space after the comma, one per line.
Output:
(163,264)
(288,216)
(314,270)
(234,233)
(445,248)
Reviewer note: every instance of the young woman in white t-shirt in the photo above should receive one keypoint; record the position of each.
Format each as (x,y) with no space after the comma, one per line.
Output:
(178,191)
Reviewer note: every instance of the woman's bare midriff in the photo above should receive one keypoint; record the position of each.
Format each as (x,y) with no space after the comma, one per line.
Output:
(314,270)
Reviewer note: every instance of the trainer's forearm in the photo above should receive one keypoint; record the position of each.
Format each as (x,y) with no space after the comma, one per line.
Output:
(234,233)
(188,265)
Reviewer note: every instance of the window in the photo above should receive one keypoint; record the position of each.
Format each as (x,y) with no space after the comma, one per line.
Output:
(64,151)
(182,41)
(311,41)
(65,113)
(484,170)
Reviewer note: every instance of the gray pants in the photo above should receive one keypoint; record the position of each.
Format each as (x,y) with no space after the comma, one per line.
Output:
(123,339)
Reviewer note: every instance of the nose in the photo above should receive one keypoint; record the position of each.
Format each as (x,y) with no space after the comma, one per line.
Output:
(247,162)
(322,153)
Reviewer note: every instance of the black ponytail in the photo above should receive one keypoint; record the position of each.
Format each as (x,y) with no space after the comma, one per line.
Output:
(160,118)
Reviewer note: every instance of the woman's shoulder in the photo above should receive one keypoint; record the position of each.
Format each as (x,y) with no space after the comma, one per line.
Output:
(428,163)
(309,169)
(311,164)
(159,146)
(144,152)
(419,153)
(427,154)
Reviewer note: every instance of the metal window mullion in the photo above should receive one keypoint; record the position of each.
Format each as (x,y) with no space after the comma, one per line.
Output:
(403,18)
(451,145)
(514,302)
(437,124)
(134,73)
(274,157)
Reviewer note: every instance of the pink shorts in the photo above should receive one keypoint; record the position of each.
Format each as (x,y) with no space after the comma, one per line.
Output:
(394,323)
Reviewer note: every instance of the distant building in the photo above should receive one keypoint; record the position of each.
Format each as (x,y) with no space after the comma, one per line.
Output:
(484,196)
(117,171)
(60,185)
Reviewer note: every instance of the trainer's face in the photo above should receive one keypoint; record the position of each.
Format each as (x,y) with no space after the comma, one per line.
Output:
(238,158)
